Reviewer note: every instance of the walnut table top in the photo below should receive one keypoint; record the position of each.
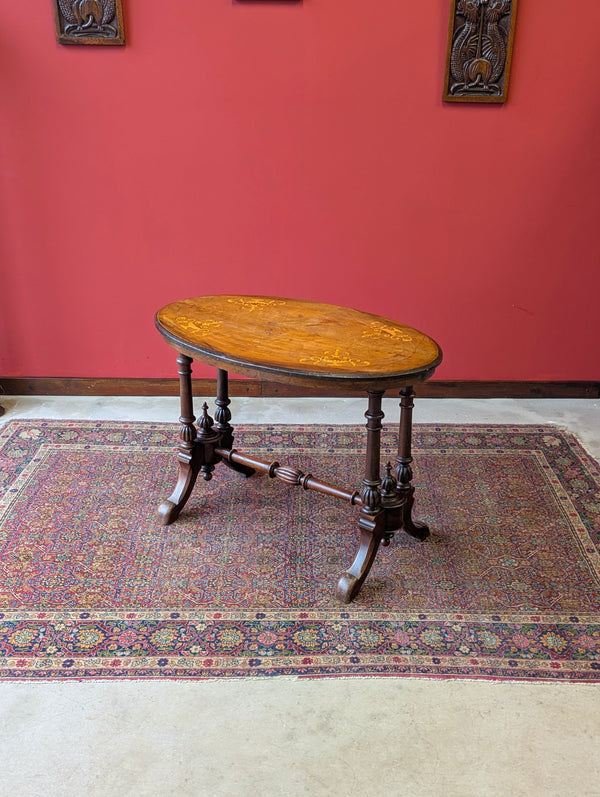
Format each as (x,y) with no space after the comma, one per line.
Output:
(299,342)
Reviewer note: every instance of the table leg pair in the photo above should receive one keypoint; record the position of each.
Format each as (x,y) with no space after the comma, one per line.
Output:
(385,504)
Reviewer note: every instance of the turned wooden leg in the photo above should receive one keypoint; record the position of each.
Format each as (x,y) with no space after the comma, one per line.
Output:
(372,517)
(222,418)
(189,454)
(403,467)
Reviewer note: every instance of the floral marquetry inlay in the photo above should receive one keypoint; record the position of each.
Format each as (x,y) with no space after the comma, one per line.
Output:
(194,325)
(250,304)
(335,358)
(377,331)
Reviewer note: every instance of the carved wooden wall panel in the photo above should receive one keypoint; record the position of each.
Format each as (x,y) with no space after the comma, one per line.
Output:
(89,21)
(480,41)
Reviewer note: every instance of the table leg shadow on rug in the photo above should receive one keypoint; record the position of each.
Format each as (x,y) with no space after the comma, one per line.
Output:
(242,585)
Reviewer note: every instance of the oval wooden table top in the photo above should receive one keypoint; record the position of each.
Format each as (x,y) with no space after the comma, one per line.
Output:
(299,342)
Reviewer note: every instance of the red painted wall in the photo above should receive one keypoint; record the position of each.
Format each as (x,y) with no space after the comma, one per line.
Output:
(299,149)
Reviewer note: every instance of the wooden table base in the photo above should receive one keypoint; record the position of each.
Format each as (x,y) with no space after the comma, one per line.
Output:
(385,504)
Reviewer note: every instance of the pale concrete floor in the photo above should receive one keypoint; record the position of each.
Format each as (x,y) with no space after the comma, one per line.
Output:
(285,737)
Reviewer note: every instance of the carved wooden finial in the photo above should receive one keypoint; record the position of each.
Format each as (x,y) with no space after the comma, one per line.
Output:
(205,422)
(388,483)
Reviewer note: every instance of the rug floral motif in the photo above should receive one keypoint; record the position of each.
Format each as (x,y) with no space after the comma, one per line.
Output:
(242,585)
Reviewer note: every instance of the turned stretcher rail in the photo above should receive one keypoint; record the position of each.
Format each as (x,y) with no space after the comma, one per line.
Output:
(292,476)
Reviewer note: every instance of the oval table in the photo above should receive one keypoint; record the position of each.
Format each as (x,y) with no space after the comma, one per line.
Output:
(313,345)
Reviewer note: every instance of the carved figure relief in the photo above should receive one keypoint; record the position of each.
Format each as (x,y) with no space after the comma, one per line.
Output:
(480,40)
(89,21)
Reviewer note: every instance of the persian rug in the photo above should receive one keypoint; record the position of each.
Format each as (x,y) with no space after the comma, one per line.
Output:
(242,585)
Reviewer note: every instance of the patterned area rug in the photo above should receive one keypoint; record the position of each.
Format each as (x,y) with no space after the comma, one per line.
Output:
(92,586)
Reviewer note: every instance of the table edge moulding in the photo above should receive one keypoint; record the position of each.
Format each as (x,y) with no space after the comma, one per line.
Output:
(310,344)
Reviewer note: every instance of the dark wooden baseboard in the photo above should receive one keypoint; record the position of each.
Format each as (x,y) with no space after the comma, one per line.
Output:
(40,386)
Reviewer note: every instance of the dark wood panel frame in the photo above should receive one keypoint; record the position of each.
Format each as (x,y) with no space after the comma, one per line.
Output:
(479,53)
(89,21)
(57,386)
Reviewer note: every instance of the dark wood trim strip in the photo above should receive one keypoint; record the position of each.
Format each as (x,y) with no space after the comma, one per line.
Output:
(57,386)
